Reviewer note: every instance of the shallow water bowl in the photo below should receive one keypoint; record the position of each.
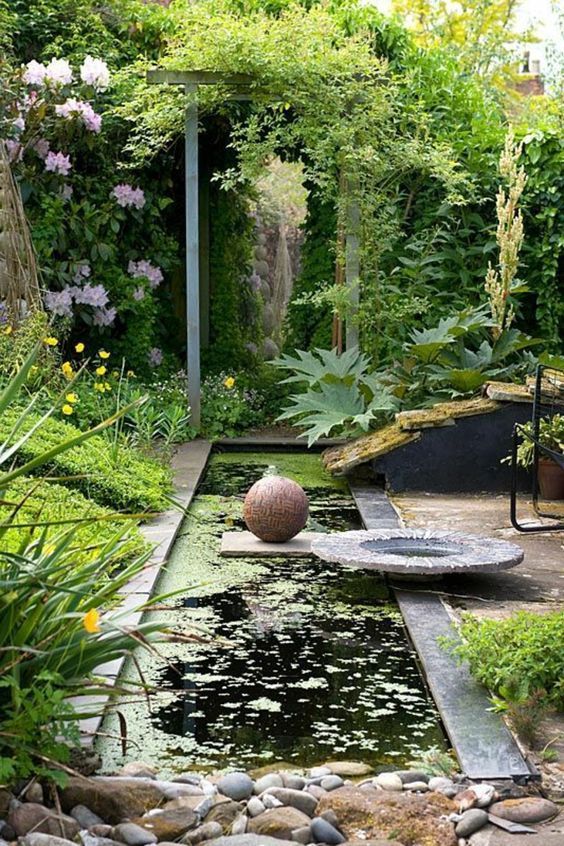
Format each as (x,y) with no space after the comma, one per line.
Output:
(418,553)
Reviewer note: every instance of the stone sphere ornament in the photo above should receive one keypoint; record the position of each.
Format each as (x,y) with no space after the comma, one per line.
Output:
(275,509)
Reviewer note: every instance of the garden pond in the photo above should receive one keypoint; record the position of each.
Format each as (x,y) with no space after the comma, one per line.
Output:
(297,660)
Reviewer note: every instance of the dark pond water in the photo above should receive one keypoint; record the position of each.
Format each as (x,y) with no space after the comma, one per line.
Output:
(300,660)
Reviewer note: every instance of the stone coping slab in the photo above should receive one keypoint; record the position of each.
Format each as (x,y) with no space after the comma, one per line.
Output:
(236,544)
(418,552)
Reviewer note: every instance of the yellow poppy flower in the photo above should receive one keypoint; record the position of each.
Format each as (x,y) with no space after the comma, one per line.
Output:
(107,386)
(99,386)
(72,398)
(50,341)
(130,374)
(8,330)
(66,367)
(91,621)
(100,370)
(79,347)
(229,382)
(67,409)
(103,354)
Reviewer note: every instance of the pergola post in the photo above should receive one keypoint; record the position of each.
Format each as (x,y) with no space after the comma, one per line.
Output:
(352,264)
(192,254)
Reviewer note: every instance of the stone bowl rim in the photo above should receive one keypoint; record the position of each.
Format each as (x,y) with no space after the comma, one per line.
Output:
(484,555)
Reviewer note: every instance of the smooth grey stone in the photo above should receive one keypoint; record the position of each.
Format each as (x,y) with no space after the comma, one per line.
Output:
(251,840)
(332,782)
(101,830)
(304,802)
(240,825)
(324,832)
(255,806)
(138,769)
(440,783)
(319,772)
(37,838)
(207,831)
(471,821)
(133,835)
(85,817)
(420,786)
(268,780)
(270,801)
(91,840)
(331,817)
(295,782)
(204,807)
(34,793)
(316,790)
(188,778)
(389,781)
(6,831)
(236,786)
(208,788)
(408,776)
(302,835)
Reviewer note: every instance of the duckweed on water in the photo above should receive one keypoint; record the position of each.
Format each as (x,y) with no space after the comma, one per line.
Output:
(303,661)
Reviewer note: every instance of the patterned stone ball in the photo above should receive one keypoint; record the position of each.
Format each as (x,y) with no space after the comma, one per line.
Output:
(275,509)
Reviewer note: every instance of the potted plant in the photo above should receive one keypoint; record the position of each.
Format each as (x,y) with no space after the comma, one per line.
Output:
(550,473)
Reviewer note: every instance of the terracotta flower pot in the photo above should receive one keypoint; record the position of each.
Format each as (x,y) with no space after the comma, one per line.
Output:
(551,479)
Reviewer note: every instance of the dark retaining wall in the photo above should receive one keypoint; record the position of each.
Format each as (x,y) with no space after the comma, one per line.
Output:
(464,457)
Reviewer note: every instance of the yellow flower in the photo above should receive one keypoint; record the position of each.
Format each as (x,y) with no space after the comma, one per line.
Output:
(72,398)
(50,341)
(100,370)
(66,367)
(229,382)
(107,386)
(99,386)
(79,347)
(130,374)
(67,409)
(91,621)
(8,330)
(103,354)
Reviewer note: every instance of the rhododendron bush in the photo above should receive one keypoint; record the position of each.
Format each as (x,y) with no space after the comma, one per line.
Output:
(98,231)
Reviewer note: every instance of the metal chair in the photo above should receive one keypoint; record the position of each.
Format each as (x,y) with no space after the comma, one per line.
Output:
(548,400)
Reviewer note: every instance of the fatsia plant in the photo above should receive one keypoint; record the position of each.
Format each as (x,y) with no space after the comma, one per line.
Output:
(341,395)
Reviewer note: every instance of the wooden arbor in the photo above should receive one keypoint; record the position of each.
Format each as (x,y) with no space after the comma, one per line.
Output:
(239,85)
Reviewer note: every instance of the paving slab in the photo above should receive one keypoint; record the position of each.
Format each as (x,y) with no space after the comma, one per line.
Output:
(235,544)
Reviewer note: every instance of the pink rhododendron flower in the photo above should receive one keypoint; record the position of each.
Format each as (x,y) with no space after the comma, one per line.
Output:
(125,195)
(92,295)
(104,316)
(58,72)
(77,108)
(58,163)
(34,73)
(95,72)
(59,302)
(19,124)
(83,271)
(146,269)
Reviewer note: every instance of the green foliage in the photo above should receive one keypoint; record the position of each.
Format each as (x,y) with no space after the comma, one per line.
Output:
(341,395)
(46,508)
(118,477)
(228,407)
(551,435)
(51,641)
(516,657)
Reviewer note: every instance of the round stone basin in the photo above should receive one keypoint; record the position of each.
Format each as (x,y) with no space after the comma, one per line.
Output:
(417,553)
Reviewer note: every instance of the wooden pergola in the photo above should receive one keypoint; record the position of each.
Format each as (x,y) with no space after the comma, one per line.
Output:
(238,85)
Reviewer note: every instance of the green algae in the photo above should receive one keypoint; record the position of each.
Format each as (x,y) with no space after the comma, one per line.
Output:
(296,659)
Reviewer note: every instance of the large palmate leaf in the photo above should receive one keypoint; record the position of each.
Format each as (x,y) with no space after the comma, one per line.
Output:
(332,406)
(323,366)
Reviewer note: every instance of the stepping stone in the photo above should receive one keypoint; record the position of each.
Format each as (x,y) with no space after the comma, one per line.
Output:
(237,544)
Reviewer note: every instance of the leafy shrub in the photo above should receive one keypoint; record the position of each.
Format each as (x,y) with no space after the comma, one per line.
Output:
(341,393)
(228,407)
(551,435)
(111,474)
(52,638)
(46,508)
(516,657)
